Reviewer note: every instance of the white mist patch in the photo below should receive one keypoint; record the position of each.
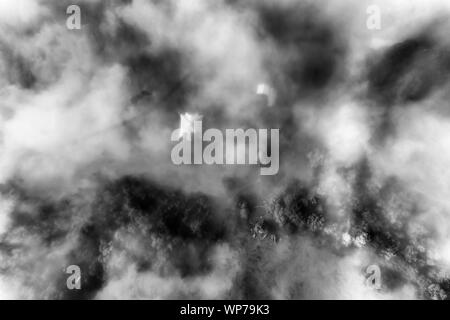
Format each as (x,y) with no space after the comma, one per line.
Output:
(308,271)
(127,283)
(345,132)
(20,13)
(11,289)
(55,132)
(6,207)
(221,45)
(419,155)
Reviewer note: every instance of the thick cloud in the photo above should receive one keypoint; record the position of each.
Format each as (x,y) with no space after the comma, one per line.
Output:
(85,171)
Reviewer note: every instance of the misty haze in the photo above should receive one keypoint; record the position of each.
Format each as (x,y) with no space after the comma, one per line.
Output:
(93,207)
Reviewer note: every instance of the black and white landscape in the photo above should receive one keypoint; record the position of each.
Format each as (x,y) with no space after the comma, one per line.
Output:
(92,206)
